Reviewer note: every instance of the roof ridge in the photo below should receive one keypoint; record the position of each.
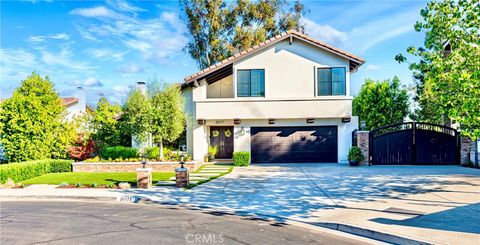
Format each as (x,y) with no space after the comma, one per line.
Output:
(268,41)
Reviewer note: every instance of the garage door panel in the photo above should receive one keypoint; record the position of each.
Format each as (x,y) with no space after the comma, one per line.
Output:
(294,144)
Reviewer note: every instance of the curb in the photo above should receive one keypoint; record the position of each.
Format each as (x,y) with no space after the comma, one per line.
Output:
(62,197)
(352,231)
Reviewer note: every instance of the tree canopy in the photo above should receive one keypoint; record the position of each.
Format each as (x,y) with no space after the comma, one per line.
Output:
(158,112)
(447,67)
(217,30)
(107,130)
(381,103)
(33,124)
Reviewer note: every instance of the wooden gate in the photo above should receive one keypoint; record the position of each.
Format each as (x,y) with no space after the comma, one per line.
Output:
(414,143)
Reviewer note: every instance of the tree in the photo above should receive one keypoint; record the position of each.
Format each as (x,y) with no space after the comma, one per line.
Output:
(217,30)
(159,113)
(107,130)
(33,124)
(381,103)
(449,89)
(168,120)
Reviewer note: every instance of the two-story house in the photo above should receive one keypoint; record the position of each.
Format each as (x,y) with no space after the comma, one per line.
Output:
(284,100)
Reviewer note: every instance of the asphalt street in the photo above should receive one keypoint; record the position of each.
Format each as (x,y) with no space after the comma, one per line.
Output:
(75,222)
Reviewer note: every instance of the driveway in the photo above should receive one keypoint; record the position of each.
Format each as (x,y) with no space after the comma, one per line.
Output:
(437,204)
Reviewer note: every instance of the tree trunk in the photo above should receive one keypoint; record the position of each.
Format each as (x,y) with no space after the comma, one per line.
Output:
(161,149)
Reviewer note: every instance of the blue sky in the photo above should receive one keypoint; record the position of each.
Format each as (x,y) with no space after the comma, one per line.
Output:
(106,46)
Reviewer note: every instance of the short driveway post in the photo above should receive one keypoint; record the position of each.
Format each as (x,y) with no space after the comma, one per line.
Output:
(181,175)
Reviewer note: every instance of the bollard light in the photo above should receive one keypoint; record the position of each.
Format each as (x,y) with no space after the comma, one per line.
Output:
(144,160)
(182,160)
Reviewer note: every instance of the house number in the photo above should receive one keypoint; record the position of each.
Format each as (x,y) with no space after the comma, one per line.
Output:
(219,122)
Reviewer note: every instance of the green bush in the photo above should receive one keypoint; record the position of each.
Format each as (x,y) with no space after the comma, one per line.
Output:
(115,152)
(27,170)
(355,154)
(152,153)
(241,158)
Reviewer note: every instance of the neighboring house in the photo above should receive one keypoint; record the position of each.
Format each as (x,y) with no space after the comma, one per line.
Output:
(284,100)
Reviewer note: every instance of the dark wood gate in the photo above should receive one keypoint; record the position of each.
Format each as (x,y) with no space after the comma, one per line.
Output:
(414,143)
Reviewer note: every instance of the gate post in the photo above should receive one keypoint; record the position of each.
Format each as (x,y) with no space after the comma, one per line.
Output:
(413,150)
(465,143)
(363,142)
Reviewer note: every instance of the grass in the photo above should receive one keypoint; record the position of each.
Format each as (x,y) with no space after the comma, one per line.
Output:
(97,178)
(190,186)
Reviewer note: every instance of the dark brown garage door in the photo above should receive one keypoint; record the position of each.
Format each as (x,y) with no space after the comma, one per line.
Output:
(294,144)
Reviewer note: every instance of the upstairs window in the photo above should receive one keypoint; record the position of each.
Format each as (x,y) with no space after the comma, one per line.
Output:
(251,83)
(331,81)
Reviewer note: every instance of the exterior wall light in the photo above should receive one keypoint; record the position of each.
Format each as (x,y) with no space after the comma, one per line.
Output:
(362,125)
(242,131)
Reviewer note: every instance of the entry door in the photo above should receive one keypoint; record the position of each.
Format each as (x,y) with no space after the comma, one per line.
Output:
(222,137)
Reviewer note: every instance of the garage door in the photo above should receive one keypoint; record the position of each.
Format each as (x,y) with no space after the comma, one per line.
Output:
(294,144)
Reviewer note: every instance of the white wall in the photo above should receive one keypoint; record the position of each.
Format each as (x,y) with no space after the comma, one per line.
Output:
(242,142)
(290,70)
(222,88)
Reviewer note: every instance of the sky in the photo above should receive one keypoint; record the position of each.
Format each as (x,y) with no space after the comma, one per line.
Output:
(108,46)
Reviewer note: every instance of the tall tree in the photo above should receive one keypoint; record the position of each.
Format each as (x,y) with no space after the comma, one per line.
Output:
(449,64)
(217,30)
(159,113)
(33,124)
(168,120)
(381,103)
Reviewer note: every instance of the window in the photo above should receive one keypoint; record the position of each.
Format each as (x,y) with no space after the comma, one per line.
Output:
(331,81)
(251,83)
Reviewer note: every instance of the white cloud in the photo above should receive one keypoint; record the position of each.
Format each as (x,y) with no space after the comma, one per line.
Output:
(96,12)
(123,6)
(156,39)
(366,36)
(324,33)
(63,58)
(371,67)
(131,68)
(59,36)
(106,54)
(88,82)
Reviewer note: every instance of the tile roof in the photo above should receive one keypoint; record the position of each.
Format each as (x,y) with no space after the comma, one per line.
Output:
(65,101)
(292,33)
(69,100)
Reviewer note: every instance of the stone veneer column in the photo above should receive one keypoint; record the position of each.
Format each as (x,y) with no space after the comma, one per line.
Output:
(144,178)
(363,143)
(465,143)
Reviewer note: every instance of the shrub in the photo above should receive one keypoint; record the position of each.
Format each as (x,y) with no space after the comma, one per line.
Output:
(115,152)
(27,170)
(153,152)
(241,158)
(355,154)
(82,150)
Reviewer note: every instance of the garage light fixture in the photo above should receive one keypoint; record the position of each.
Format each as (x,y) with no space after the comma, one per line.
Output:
(236,121)
(310,120)
(201,121)
(271,121)
(242,131)
(346,119)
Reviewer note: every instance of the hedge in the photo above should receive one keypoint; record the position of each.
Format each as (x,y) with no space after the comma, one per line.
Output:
(115,152)
(241,158)
(27,170)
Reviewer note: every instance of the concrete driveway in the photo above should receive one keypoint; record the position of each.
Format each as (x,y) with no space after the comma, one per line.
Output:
(436,204)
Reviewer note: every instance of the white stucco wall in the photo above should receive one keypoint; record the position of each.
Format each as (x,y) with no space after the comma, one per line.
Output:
(221,89)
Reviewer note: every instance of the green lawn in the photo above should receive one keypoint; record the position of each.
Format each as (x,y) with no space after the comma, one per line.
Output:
(90,178)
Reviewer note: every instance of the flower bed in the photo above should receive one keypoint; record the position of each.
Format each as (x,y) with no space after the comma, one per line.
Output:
(131,166)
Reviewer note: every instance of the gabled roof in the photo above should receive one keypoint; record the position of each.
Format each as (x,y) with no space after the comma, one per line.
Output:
(355,61)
